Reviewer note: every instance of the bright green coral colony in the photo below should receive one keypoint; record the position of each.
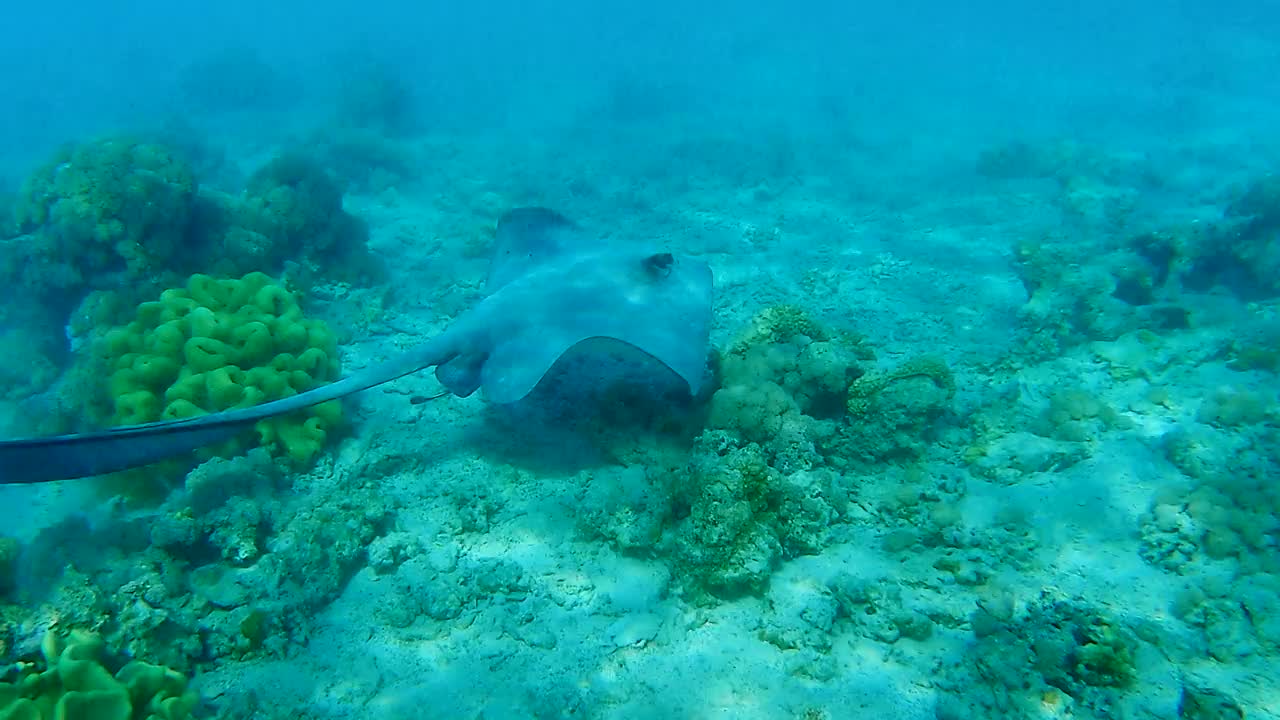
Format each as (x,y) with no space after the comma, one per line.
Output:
(219,344)
(74,684)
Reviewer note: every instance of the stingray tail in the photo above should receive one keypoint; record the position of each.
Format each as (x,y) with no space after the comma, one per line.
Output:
(63,457)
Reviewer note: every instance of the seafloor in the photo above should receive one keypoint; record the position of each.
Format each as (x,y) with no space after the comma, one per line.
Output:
(1053,493)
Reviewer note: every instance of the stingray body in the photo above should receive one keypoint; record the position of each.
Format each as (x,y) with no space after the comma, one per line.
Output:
(551,286)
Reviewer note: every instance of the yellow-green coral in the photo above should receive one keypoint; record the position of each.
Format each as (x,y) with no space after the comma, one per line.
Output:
(219,344)
(75,684)
(781,324)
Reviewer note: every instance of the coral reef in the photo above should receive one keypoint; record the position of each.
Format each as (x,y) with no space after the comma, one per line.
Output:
(221,344)
(31,366)
(71,679)
(290,211)
(233,564)
(757,489)
(738,518)
(783,385)
(1228,507)
(1076,521)
(105,224)
(1100,289)
(128,214)
(798,414)
(1077,293)
(1242,251)
(116,206)
(1057,655)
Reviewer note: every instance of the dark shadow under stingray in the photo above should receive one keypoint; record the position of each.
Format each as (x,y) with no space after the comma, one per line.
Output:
(602,398)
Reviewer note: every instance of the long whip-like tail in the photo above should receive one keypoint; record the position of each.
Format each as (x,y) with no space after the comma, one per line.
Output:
(63,457)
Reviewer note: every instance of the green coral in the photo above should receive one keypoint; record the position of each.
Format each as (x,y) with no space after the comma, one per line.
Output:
(220,344)
(71,682)
(116,203)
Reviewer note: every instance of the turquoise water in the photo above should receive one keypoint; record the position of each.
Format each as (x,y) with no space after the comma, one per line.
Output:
(988,426)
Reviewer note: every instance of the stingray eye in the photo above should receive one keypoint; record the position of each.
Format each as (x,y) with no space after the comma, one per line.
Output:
(659,265)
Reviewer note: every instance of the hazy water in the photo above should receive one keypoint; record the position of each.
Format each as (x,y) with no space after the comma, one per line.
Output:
(934,73)
(819,154)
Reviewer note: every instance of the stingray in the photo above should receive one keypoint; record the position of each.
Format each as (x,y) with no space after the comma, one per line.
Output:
(551,287)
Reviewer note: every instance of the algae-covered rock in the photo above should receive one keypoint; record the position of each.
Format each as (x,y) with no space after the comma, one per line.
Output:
(892,413)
